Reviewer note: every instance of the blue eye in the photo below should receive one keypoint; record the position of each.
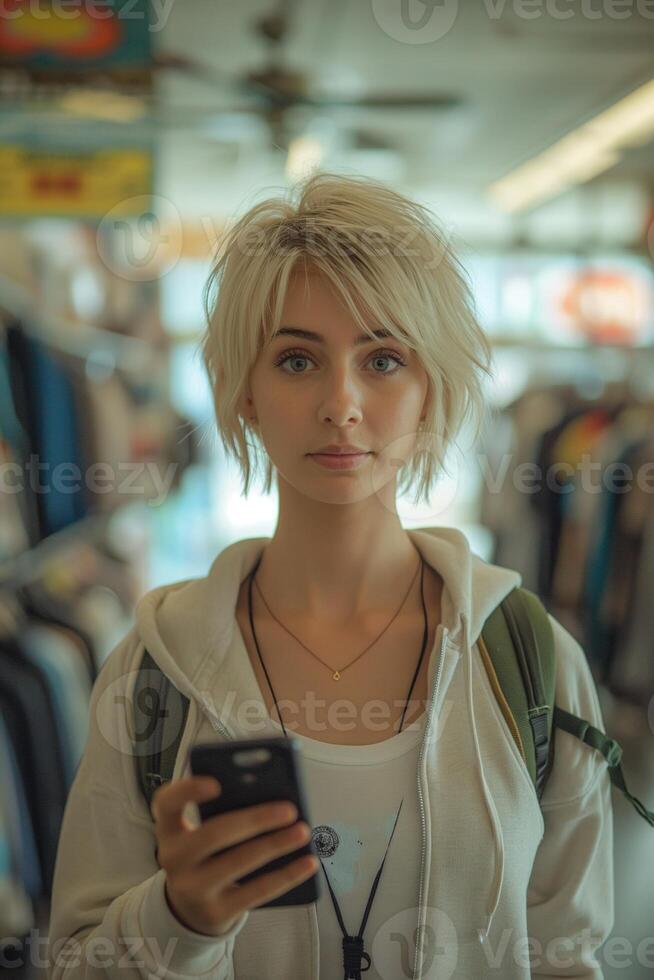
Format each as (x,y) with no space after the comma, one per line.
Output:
(302,355)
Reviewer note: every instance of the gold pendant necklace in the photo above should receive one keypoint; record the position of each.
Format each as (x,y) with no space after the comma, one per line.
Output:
(336,674)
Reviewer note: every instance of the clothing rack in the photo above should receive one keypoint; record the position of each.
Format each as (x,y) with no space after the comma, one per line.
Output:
(590,371)
(587,552)
(81,341)
(69,578)
(30,564)
(55,634)
(536,344)
(58,410)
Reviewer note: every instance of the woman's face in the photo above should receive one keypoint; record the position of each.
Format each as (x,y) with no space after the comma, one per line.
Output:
(307,393)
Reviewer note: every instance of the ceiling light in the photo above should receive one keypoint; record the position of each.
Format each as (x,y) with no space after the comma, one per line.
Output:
(581,155)
(305,153)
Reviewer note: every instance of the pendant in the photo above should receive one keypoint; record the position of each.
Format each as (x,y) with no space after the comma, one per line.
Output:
(336,675)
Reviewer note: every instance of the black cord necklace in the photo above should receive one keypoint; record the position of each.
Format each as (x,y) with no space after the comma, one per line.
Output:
(353,951)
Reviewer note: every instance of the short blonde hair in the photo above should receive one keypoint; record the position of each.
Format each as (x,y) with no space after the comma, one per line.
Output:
(373,244)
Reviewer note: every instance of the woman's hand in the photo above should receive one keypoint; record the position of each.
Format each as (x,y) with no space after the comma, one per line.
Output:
(200,881)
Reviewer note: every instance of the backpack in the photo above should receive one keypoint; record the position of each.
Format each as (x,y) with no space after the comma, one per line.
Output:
(517,648)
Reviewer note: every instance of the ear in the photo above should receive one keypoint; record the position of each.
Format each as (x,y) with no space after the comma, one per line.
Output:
(245,408)
(244,401)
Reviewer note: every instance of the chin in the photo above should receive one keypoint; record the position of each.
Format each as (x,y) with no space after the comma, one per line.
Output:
(328,488)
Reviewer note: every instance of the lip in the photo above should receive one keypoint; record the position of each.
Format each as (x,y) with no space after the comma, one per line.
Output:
(339,449)
(340,461)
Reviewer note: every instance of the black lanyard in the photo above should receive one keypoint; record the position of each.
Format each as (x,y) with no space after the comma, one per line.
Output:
(353,951)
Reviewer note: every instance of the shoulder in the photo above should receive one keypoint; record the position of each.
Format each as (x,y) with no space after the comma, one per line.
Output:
(576,690)
(576,765)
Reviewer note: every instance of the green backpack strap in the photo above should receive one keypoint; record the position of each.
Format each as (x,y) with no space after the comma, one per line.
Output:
(609,748)
(517,647)
(160,712)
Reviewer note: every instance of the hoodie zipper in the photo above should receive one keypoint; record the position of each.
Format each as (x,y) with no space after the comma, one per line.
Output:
(434,695)
(223,730)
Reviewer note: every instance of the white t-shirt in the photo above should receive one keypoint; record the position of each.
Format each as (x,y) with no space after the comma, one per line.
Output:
(353,793)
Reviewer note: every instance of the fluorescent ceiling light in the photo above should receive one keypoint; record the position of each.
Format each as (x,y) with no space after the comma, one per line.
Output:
(581,155)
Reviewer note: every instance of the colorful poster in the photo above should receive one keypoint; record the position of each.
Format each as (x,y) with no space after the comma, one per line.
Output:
(72,184)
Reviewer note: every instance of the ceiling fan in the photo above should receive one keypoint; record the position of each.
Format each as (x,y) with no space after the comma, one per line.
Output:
(275,91)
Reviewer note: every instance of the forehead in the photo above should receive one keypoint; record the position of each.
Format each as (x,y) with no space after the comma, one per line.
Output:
(313,302)
(312,292)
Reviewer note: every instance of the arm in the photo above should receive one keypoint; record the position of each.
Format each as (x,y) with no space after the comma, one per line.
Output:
(109,914)
(570,898)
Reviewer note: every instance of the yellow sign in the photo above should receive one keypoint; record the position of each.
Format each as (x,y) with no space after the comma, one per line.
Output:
(40,183)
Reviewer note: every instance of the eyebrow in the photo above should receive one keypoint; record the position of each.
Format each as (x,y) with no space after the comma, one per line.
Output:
(312,335)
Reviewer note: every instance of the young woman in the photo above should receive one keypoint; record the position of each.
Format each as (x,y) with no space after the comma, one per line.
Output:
(342,324)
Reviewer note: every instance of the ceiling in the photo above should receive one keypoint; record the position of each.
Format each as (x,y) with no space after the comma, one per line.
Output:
(522,82)
(522,75)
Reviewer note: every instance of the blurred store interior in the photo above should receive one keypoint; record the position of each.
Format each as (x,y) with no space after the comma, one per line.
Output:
(127,143)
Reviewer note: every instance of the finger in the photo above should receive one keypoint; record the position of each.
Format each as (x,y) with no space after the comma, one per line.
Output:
(227,829)
(225,869)
(170,800)
(271,885)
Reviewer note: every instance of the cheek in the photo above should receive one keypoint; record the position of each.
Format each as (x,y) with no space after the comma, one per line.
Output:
(401,401)
(284,413)
(280,402)
(270,389)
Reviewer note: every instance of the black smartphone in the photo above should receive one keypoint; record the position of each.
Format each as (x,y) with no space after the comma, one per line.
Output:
(252,771)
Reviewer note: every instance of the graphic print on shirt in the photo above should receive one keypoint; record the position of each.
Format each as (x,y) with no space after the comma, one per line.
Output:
(339,845)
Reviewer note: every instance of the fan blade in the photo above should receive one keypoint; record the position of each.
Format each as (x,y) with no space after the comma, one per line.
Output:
(286,88)
(168,60)
(387,101)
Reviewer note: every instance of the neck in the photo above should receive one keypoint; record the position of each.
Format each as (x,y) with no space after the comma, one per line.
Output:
(336,564)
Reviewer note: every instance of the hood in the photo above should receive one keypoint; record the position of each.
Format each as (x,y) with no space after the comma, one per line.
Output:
(188,628)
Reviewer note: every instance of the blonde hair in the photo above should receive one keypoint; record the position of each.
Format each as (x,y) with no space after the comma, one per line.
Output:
(373,244)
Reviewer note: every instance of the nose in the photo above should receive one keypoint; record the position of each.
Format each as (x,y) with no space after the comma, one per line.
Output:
(341,400)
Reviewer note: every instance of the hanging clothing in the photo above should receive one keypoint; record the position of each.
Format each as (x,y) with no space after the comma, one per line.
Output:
(585,529)
(45,403)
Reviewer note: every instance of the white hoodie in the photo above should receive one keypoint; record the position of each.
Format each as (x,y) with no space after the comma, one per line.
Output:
(508,888)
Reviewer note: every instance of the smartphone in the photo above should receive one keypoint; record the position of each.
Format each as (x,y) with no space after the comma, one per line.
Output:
(253,771)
